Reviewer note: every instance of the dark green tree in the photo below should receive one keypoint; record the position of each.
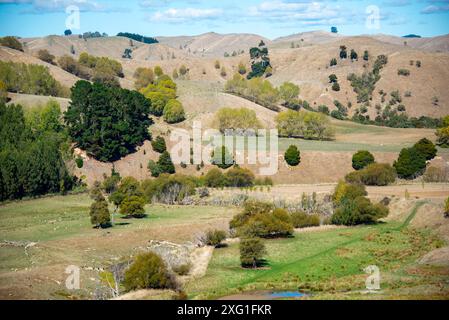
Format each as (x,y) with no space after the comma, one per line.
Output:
(427,148)
(410,164)
(100,216)
(165,163)
(222,158)
(361,159)
(159,145)
(252,251)
(292,156)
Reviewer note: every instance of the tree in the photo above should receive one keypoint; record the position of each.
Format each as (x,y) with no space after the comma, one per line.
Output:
(99,213)
(366,55)
(3,93)
(343,52)
(335,86)
(239,177)
(214,237)
(165,163)
(443,137)
(242,68)
(354,55)
(236,119)
(361,159)
(148,271)
(11,42)
(44,55)
(374,174)
(143,77)
(333,62)
(68,32)
(133,206)
(183,70)
(222,158)
(333,78)
(308,125)
(427,148)
(114,128)
(159,144)
(358,211)
(410,164)
(252,251)
(292,156)
(127,54)
(215,178)
(289,92)
(174,112)
(158,71)
(334,30)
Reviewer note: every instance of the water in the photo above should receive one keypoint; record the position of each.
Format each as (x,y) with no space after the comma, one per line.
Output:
(286,295)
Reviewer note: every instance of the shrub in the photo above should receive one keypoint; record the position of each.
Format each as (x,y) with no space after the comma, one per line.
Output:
(361,159)
(347,192)
(242,68)
(46,56)
(239,177)
(79,162)
(333,78)
(99,213)
(292,156)
(223,72)
(289,92)
(335,86)
(182,270)
(222,158)
(72,66)
(410,164)
(169,189)
(446,208)
(236,119)
(252,251)
(358,211)
(323,109)
(403,72)
(436,174)
(214,237)
(251,208)
(11,42)
(375,174)
(158,71)
(174,112)
(426,148)
(133,206)
(183,70)
(143,77)
(301,219)
(277,223)
(215,178)
(333,62)
(159,145)
(217,64)
(148,271)
(443,137)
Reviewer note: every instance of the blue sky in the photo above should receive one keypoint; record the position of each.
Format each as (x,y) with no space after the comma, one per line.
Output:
(269,18)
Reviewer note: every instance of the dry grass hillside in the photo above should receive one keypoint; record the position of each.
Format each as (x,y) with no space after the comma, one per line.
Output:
(435,44)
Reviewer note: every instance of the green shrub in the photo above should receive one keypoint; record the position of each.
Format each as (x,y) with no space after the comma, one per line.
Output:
(11,42)
(214,178)
(361,159)
(174,112)
(403,72)
(301,219)
(426,148)
(222,158)
(214,237)
(411,163)
(182,269)
(239,177)
(302,124)
(159,145)
(347,192)
(375,174)
(133,206)
(358,211)
(336,86)
(163,165)
(236,119)
(252,251)
(443,137)
(251,208)
(292,156)
(148,271)
(46,56)
(99,213)
(277,223)
(169,189)
(79,162)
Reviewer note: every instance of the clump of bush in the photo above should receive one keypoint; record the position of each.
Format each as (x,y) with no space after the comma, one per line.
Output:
(361,159)
(11,42)
(301,219)
(410,164)
(235,177)
(403,72)
(252,251)
(260,219)
(169,189)
(174,112)
(214,238)
(375,174)
(292,156)
(159,144)
(426,148)
(302,124)
(163,165)
(99,213)
(148,271)
(353,208)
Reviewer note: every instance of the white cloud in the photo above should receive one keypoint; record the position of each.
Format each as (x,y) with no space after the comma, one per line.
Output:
(48,6)
(435,9)
(186,14)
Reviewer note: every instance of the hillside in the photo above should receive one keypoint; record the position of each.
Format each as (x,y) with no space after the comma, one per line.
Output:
(433,44)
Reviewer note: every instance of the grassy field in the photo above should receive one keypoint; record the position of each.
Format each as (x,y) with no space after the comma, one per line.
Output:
(330,264)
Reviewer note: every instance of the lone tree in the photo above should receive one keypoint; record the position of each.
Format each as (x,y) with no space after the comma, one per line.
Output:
(165,163)
(361,159)
(251,252)
(333,78)
(99,213)
(410,164)
(336,86)
(68,32)
(133,207)
(343,52)
(292,156)
(159,144)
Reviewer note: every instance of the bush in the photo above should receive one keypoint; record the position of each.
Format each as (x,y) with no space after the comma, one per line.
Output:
(302,124)
(443,137)
(347,192)
(143,77)
(120,118)
(375,174)
(236,119)
(410,164)
(159,144)
(403,72)
(292,156)
(45,56)
(335,86)
(214,237)
(289,92)
(11,42)
(148,271)
(99,213)
(163,165)
(426,148)
(358,211)
(169,189)
(277,223)
(79,162)
(133,206)
(222,158)
(174,112)
(301,219)
(182,270)
(72,66)
(239,177)
(436,174)
(361,159)
(251,208)
(252,251)
(215,178)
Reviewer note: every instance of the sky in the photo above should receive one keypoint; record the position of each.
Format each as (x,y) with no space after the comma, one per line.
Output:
(269,18)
